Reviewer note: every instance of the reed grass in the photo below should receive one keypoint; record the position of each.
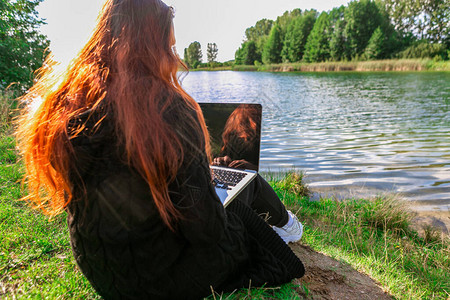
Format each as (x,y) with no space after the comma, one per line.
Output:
(8,105)
(360,66)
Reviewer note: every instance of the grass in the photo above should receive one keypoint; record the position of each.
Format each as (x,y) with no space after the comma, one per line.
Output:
(374,236)
(35,257)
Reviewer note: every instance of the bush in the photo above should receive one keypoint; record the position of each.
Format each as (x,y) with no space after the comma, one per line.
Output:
(387,213)
(293,183)
(424,50)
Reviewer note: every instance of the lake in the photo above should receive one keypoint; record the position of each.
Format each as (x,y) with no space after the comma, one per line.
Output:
(353,134)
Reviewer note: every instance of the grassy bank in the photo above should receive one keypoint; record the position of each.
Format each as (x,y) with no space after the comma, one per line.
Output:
(373,236)
(361,66)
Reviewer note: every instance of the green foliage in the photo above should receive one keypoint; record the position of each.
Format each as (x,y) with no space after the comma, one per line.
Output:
(427,20)
(273,46)
(193,55)
(376,45)
(258,34)
(423,49)
(261,28)
(285,20)
(211,52)
(338,47)
(364,30)
(317,47)
(22,46)
(247,54)
(362,18)
(296,36)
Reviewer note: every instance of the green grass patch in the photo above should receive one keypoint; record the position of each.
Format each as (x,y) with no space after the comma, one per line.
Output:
(286,291)
(35,256)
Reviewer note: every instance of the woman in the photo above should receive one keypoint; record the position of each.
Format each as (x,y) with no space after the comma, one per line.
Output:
(119,145)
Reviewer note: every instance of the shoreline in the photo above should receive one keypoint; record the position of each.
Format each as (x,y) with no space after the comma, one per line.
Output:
(389,65)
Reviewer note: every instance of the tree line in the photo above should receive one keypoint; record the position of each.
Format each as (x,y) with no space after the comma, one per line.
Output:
(193,55)
(363,30)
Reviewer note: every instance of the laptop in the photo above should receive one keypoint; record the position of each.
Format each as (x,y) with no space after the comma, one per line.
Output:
(235,132)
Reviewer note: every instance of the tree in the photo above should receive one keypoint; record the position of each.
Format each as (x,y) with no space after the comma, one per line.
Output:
(211,52)
(193,55)
(375,47)
(426,19)
(247,54)
(261,28)
(285,20)
(22,48)
(317,47)
(338,45)
(274,45)
(297,35)
(362,18)
(259,34)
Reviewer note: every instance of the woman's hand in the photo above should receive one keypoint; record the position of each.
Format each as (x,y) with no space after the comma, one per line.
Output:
(242,164)
(223,161)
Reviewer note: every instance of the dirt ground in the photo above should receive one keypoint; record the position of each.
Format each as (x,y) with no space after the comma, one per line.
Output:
(327,278)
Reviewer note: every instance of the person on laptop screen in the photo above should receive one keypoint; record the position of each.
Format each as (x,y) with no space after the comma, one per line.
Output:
(124,150)
(239,149)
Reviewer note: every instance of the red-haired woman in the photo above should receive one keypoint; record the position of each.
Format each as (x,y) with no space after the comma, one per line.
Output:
(119,145)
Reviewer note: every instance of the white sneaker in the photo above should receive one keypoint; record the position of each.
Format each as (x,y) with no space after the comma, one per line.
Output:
(290,234)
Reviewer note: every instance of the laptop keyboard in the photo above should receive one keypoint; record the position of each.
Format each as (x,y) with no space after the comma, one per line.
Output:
(226,179)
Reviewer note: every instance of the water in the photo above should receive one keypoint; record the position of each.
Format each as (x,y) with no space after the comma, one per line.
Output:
(354,134)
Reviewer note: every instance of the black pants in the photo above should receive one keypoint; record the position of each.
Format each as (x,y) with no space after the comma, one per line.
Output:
(260,196)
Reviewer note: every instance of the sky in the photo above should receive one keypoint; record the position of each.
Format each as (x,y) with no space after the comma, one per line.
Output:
(70,22)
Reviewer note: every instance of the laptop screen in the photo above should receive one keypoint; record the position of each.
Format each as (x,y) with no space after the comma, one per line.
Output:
(235,131)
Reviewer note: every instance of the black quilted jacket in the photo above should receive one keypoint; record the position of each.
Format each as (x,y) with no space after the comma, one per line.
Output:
(124,249)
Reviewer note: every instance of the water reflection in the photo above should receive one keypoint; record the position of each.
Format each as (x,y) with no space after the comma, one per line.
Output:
(355,134)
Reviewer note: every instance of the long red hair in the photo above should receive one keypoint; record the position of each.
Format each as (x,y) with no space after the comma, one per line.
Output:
(243,124)
(128,64)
